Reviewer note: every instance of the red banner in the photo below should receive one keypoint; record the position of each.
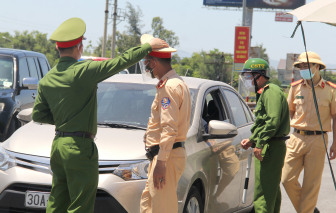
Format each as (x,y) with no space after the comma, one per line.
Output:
(242,40)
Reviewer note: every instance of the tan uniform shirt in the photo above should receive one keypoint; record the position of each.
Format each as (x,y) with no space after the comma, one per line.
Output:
(300,99)
(170,114)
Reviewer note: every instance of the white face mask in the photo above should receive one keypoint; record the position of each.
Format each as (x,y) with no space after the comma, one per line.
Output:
(249,86)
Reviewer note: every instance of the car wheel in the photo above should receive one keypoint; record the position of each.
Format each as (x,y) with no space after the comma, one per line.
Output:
(194,203)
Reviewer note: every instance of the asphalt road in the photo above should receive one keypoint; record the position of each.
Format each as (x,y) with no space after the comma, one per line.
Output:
(327,197)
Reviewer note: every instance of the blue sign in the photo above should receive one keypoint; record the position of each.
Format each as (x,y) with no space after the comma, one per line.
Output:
(274,4)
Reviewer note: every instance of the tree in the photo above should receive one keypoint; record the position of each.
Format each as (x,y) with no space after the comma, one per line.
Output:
(263,53)
(38,42)
(31,41)
(6,40)
(160,32)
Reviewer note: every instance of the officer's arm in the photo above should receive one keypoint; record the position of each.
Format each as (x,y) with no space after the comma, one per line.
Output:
(273,102)
(98,71)
(41,110)
(169,119)
(291,105)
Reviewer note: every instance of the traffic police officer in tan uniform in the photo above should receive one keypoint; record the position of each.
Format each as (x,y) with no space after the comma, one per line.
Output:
(67,98)
(305,149)
(166,132)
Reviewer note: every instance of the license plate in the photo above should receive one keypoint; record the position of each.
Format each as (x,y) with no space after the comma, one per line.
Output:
(36,199)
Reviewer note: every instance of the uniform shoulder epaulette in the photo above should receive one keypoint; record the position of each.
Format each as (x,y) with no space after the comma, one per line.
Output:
(331,84)
(262,89)
(296,82)
(162,83)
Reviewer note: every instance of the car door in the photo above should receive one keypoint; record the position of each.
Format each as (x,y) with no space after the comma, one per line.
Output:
(24,98)
(223,166)
(243,120)
(44,66)
(35,72)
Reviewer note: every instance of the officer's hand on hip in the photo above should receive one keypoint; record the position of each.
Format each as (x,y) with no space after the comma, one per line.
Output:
(246,143)
(159,175)
(157,43)
(332,154)
(257,153)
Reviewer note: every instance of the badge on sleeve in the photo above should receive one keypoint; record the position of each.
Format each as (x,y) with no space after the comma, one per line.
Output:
(165,103)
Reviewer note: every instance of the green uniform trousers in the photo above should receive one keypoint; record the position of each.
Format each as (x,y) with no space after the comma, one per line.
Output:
(267,192)
(74,163)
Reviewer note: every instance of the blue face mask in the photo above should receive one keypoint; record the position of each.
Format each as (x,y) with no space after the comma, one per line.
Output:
(306,74)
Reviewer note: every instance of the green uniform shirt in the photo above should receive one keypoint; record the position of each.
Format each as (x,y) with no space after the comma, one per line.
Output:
(271,116)
(67,95)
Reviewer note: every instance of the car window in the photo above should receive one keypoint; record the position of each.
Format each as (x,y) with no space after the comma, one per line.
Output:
(23,70)
(213,108)
(236,108)
(44,66)
(6,72)
(38,68)
(128,103)
(247,112)
(32,68)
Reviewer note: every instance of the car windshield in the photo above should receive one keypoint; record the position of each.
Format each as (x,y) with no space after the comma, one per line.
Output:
(6,72)
(128,104)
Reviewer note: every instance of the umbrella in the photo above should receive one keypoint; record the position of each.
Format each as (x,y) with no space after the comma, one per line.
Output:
(316,11)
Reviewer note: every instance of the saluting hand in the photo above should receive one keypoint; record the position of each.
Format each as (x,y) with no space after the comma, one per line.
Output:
(157,43)
(159,175)
(257,153)
(332,153)
(246,144)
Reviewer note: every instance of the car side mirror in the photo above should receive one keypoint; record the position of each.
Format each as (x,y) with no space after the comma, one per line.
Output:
(25,116)
(220,130)
(31,83)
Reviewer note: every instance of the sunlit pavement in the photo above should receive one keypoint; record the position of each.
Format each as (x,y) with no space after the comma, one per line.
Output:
(327,197)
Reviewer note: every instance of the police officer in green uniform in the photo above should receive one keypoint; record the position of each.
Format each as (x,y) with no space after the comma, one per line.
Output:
(67,98)
(268,135)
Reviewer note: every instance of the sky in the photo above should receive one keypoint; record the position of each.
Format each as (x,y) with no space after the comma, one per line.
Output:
(197,27)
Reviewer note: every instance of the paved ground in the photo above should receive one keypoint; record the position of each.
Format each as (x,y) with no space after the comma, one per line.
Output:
(327,197)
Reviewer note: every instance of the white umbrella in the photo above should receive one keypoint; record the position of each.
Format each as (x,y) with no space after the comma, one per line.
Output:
(317,11)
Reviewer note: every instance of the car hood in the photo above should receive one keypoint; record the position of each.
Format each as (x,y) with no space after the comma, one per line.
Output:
(112,143)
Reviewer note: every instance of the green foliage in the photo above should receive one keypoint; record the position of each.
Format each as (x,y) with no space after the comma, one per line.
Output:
(6,40)
(276,81)
(263,53)
(31,41)
(328,75)
(215,65)
(160,32)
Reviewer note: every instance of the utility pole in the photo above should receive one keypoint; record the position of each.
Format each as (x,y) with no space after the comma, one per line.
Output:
(105,30)
(114,30)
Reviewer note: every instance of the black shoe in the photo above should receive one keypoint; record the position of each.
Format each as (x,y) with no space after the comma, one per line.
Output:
(316,210)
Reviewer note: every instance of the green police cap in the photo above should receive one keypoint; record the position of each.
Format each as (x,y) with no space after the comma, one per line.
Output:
(69,33)
(256,65)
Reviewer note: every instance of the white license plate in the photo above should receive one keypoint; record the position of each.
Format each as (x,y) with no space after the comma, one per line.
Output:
(36,199)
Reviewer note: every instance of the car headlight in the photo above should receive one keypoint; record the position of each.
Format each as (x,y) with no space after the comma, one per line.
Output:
(135,171)
(2,106)
(6,161)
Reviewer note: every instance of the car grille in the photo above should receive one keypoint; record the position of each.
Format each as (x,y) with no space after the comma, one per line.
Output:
(42,164)
(104,203)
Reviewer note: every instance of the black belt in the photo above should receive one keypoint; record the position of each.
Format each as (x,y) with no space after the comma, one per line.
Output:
(78,134)
(151,152)
(304,132)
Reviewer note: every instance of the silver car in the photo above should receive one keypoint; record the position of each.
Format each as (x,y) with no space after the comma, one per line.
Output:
(214,177)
